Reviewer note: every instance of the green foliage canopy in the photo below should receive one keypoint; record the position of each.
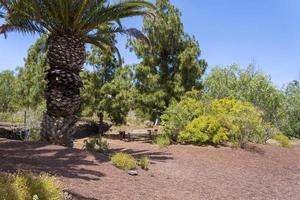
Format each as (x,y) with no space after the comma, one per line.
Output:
(179,114)
(7,91)
(104,66)
(171,66)
(245,85)
(118,96)
(108,87)
(290,120)
(30,84)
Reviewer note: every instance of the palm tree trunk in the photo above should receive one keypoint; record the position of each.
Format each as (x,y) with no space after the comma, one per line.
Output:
(66,55)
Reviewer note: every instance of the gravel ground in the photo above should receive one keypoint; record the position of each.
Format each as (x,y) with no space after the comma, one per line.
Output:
(176,173)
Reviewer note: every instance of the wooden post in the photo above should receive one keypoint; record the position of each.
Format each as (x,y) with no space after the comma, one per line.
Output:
(122,135)
(100,116)
(150,134)
(155,132)
(25,118)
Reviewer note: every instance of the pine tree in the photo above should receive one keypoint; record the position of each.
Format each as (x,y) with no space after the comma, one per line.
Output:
(7,91)
(107,87)
(31,78)
(102,70)
(171,66)
(118,96)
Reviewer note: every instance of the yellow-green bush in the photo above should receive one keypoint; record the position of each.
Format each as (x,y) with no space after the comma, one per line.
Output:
(243,115)
(144,162)
(178,115)
(96,145)
(226,120)
(24,186)
(283,140)
(162,141)
(123,161)
(11,117)
(208,129)
(35,135)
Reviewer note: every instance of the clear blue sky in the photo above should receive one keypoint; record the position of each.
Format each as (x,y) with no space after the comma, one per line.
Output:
(263,32)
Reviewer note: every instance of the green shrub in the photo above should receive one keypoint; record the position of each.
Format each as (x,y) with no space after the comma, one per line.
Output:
(289,121)
(5,117)
(96,145)
(225,120)
(283,140)
(144,162)
(207,129)
(11,117)
(26,186)
(162,141)
(270,132)
(178,115)
(123,161)
(35,135)
(90,144)
(244,116)
(222,135)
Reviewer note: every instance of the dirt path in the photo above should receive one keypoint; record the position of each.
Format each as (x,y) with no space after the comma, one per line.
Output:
(178,172)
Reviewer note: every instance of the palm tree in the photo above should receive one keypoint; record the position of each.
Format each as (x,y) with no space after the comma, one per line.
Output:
(69,25)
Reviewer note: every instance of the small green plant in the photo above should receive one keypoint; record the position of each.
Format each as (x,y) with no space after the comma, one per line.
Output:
(124,161)
(11,117)
(35,135)
(283,140)
(144,162)
(27,186)
(162,141)
(96,145)
(90,144)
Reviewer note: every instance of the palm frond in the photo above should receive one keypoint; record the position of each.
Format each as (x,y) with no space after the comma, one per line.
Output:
(104,37)
(74,15)
(95,20)
(117,11)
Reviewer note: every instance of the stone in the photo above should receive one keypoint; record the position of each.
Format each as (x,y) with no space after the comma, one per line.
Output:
(132,172)
(68,196)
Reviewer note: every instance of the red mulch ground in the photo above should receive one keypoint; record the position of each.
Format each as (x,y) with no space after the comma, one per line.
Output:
(178,172)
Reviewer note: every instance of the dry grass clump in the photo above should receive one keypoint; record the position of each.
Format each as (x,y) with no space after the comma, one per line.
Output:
(27,186)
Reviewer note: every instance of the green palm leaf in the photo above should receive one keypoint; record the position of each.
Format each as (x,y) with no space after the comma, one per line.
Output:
(81,16)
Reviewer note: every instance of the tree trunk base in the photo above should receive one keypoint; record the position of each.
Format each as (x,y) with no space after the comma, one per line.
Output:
(59,130)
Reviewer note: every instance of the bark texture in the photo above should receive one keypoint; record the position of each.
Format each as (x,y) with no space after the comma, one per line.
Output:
(66,54)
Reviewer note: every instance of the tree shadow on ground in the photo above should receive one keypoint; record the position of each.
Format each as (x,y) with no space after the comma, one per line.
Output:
(155,156)
(55,160)
(252,148)
(75,196)
(132,137)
